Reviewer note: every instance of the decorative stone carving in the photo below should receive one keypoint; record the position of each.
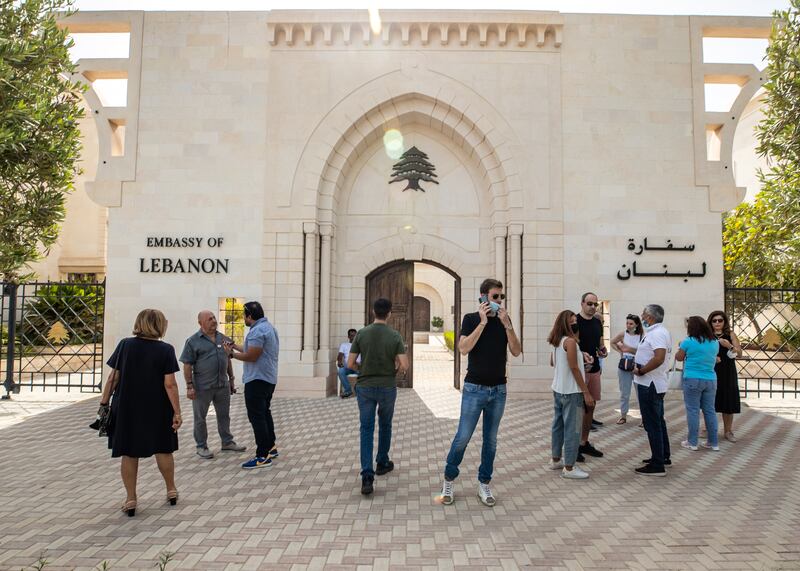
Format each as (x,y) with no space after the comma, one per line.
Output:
(531,30)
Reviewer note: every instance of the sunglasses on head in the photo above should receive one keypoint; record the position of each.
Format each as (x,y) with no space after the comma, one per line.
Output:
(632,317)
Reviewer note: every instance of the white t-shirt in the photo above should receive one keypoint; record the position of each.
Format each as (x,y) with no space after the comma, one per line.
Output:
(344,349)
(656,337)
(563,380)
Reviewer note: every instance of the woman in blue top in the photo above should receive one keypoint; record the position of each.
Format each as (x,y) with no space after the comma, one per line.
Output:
(699,353)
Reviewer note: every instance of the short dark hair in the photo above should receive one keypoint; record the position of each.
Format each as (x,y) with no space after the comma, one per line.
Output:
(583,297)
(382,307)
(700,329)
(490,283)
(253,310)
(351,330)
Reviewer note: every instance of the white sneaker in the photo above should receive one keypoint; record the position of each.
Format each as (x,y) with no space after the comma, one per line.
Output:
(575,474)
(688,446)
(485,494)
(205,453)
(447,493)
(555,464)
(708,445)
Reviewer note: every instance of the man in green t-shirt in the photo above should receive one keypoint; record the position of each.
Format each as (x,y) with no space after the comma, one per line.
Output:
(383,356)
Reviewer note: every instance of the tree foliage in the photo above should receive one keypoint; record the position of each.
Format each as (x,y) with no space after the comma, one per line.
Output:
(761,239)
(39,133)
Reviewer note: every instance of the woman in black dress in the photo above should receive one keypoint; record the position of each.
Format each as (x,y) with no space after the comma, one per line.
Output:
(727,399)
(145,411)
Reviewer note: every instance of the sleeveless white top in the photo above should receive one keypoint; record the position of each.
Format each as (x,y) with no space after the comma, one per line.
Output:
(563,381)
(632,341)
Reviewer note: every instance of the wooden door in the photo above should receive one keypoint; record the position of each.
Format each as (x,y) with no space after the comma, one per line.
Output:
(422,314)
(395,282)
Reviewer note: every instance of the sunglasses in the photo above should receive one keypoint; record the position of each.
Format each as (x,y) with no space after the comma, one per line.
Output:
(717,320)
(632,317)
(500,296)
(592,303)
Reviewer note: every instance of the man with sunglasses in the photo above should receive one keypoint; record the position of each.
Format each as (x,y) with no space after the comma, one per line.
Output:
(486,336)
(590,340)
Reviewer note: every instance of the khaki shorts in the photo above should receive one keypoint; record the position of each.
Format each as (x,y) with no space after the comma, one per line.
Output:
(593,383)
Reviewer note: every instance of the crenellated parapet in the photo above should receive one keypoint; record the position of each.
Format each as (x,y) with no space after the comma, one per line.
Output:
(398,29)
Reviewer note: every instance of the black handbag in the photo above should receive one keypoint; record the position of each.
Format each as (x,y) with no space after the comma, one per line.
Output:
(103,418)
(101,421)
(626,365)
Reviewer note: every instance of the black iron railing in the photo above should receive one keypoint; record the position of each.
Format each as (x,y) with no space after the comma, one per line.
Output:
(51,335)
(767,323)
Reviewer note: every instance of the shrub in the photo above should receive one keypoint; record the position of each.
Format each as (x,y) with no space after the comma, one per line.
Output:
(437,321)
(450,340)
(78,307)
(791,336)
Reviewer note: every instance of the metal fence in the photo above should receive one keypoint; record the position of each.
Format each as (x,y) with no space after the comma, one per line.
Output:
(51,336)
(767,323)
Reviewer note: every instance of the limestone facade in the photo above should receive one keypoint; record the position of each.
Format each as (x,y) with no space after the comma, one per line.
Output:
(556,138)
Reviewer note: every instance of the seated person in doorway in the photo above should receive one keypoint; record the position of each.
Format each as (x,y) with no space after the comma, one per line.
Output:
(341,364)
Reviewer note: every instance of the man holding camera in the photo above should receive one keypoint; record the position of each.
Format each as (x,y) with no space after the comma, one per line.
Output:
(486,336)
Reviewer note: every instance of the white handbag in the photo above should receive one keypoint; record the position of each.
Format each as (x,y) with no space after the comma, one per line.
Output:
(675,381)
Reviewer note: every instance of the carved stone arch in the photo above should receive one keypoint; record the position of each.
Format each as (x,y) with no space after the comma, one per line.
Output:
(410,94)
(394,248)
(102,126)
(737,109)
(718,175)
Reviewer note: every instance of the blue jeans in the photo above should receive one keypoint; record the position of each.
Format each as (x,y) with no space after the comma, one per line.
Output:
(699,394)
(477,399)
(567,424)
(651,403)
(625,383)
(368,399)
(343,372)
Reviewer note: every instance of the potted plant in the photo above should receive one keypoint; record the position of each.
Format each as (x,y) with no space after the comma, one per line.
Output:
(437,323)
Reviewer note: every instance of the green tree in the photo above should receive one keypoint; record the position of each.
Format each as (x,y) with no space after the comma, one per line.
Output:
(39,133)
(761,239)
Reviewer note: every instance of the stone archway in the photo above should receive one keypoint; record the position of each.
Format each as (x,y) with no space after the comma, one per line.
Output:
(470,126)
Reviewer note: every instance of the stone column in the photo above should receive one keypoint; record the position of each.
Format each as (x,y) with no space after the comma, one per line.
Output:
(309,291)
(515,275)
(326,233)
(500,253)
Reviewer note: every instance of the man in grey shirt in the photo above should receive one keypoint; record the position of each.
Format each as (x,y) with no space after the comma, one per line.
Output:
(209,378)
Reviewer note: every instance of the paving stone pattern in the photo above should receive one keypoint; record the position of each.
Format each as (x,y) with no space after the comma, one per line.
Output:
(735,509)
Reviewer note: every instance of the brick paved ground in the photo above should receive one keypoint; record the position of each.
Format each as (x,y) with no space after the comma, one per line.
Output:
(735,509)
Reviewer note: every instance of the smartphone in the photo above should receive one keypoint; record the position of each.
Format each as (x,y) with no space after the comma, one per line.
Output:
(484,298)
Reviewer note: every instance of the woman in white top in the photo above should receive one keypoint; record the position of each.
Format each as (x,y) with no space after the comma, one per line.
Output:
(626,343)
(569,395)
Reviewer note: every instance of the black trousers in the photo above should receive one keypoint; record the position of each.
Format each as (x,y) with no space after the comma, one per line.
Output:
(257,398)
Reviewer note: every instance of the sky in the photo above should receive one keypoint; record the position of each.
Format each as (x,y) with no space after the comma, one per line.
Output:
(708,7)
